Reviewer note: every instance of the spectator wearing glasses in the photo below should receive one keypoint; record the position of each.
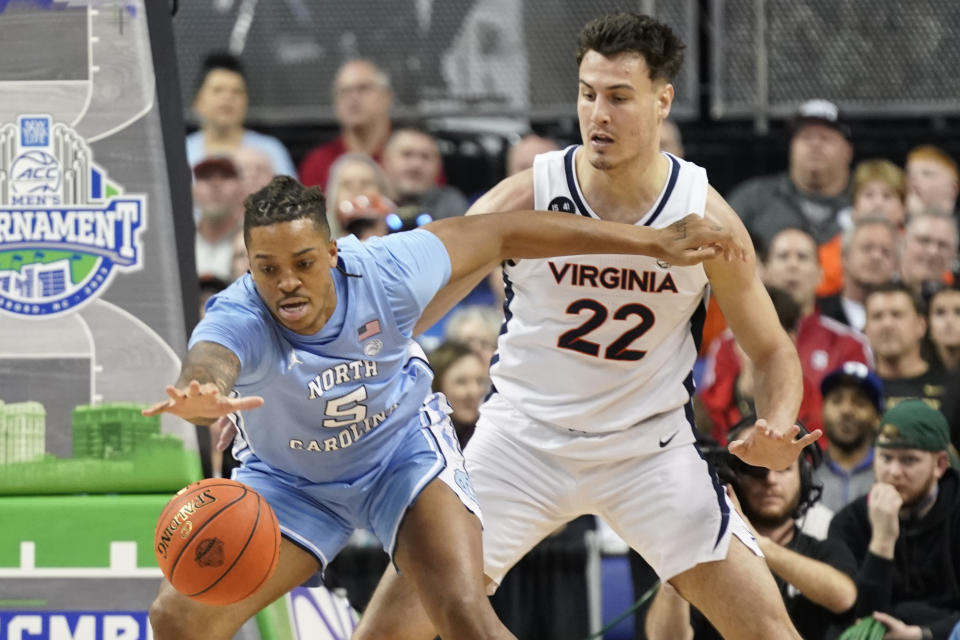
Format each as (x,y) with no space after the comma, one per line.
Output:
(362,99)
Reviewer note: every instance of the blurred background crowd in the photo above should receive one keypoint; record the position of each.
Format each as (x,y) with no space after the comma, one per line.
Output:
(837,146)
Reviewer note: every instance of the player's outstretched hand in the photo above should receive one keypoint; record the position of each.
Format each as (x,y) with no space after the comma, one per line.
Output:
(763,446)
(693,239)
(201,401)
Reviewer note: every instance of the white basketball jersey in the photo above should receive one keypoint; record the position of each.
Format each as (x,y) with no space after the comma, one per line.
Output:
(599,343)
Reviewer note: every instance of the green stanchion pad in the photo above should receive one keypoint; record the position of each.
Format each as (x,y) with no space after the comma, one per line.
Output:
(76,531)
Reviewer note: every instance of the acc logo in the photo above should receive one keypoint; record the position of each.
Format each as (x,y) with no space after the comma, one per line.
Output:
(65,228)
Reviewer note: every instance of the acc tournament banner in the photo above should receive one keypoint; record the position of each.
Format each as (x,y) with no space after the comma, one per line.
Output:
(92,314)
(91,307)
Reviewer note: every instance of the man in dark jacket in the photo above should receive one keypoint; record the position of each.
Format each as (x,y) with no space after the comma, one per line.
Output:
(815,188)
(905,533)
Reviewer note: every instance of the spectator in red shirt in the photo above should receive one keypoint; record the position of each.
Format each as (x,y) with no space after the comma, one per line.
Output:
(362,99)
(726,392)
(823,344)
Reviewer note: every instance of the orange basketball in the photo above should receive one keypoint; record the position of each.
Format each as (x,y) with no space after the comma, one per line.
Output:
(217,541)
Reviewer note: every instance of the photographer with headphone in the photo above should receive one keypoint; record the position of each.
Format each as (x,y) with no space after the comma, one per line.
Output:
(815,576)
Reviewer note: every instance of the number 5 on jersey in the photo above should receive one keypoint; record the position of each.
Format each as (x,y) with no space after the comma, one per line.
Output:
(346,409)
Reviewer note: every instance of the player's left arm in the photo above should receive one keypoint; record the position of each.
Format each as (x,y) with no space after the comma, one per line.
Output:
(778,383)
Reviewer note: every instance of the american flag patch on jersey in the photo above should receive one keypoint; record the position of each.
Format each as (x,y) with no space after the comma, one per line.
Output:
(368,329)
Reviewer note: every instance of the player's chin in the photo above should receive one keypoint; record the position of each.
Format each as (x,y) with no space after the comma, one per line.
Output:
(297,321)
(600,160)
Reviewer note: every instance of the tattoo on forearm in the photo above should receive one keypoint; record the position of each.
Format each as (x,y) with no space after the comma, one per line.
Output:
(210,362)
(680,226)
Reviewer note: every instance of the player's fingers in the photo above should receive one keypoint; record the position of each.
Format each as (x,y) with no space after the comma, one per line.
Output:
(242,404)
(762,428)
(193,388)
(792,430)
(208,388)
(157,408)
(174,393)
(810,438)
(709,251)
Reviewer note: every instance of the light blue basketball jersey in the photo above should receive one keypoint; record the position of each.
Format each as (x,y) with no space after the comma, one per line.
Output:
(337,403)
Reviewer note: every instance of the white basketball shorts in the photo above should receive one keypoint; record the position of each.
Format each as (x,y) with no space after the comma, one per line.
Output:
(665,504)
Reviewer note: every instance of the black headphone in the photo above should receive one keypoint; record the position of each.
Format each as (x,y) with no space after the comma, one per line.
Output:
(810,458)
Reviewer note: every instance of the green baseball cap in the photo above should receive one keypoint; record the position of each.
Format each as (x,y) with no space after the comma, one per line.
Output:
(913,424)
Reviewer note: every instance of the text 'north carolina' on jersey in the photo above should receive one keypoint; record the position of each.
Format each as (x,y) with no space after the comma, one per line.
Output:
(598,343)
(337,402)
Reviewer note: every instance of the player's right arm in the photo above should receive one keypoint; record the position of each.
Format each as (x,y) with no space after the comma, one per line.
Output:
(510,194)
(200,395)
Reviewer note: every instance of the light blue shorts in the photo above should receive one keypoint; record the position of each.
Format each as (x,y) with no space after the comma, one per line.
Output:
(321,517)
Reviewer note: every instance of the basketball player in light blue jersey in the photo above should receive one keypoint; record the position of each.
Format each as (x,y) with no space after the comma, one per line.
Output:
(592,378)
(311,355)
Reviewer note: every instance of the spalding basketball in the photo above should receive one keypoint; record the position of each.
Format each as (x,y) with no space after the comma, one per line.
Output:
(217,541)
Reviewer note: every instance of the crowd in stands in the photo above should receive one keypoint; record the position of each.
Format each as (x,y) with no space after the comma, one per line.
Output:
(859,260)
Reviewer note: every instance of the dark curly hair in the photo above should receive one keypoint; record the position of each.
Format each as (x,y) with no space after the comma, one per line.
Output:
(283,200)
(627,32)
(219,60)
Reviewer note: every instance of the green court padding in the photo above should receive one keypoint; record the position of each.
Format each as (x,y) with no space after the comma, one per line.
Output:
(76,531)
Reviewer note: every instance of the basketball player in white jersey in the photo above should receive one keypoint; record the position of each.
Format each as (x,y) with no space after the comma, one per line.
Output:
(590,411)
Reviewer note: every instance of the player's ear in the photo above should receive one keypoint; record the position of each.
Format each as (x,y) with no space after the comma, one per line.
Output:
(664,98)
(332,253)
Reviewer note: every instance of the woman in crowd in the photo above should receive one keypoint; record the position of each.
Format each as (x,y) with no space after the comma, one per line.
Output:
(461,375)
(358,197)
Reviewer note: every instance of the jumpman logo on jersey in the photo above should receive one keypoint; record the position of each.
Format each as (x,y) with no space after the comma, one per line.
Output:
(294,360)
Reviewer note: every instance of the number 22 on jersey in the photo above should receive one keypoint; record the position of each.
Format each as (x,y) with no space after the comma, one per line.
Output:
(619,349)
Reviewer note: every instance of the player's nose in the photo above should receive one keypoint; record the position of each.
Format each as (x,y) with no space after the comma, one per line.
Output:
(289,282)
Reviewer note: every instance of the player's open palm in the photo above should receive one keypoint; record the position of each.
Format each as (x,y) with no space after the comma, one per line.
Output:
(201,401)
(763,446)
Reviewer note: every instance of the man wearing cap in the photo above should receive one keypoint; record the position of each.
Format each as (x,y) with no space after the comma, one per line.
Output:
(852,404)
(905,533)
(218,197)
(814,189)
